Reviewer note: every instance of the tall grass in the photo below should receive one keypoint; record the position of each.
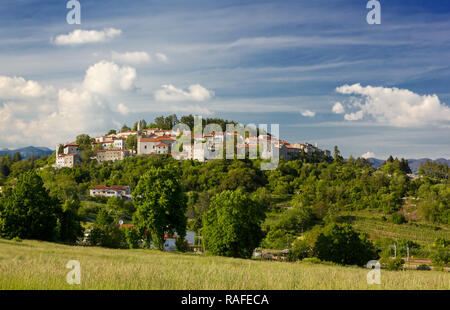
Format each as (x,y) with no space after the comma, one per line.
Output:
(41,265)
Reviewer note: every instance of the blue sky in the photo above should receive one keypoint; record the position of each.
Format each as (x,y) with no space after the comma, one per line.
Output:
(285,62)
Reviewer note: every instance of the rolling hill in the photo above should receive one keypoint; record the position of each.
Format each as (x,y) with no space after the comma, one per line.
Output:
(28,151)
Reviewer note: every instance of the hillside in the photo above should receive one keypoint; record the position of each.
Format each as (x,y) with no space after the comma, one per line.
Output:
(414,164)
(41,265)
(28,151)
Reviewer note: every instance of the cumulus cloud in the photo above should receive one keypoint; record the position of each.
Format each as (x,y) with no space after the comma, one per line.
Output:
(80,36)
(107,78)
(194,93)
(123,109)
(354,116)
(131,57)
(19,88)
(396,107)
(86,108)
(368,155)
(308,113)
(338,108)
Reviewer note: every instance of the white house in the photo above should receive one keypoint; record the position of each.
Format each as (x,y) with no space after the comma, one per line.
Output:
(118,191)
(66,160)
(112,155)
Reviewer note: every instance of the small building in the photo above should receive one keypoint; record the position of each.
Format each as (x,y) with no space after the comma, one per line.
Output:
(118,191)
(66,160)
(112,155)
(71,148)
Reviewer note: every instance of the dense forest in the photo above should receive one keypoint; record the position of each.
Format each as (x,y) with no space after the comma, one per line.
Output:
(296,206)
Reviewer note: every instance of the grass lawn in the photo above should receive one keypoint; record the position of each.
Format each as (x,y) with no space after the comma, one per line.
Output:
(41,265)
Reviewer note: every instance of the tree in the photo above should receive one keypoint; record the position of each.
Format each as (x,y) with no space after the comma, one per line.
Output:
(104,218)
(232,226)
(132,143)
(17,157)
(342,245)
(160,205)
(111,132)
(28,211)
(84,142)
(69,222)
(125,128)
(337,157)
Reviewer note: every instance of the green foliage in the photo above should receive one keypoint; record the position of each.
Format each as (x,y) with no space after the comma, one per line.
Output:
(393,263)
(28,210)
(160,204)
(300,250)
(434,203)
(182,245)
(132,143)
(132,237)
(434,170)
(104,218)
(288,225)
(232,226)
(441,252)
(83,141)
(397,218)
(342,245)
(109,236)
(70,228)
(423,267)
(125,128)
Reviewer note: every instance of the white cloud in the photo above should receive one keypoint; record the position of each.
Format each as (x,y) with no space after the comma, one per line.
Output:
(123,109)
(162,57)
(338,108)
(195,93)
(397,107)
(107,78)
(80,36)
(308,113)
(368,155)
(354,116)
(19,88)
(84,109)
(131,57)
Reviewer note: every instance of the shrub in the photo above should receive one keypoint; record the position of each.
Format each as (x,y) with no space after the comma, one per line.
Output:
(300,250)
(132,237)
(423,267)
(312,260)
(343,245)
(392,264)
(109,236)
(440,257)
(397,218)
(182,245)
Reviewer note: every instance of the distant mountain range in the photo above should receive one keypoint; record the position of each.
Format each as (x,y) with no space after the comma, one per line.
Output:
(28,151)
(414,164)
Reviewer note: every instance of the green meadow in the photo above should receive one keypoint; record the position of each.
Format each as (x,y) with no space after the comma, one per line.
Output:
(42,265)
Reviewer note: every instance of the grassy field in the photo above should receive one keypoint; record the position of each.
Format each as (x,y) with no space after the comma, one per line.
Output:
(370,222)
(41,265)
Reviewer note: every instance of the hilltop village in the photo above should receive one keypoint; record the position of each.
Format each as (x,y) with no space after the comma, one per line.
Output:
(114,147)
